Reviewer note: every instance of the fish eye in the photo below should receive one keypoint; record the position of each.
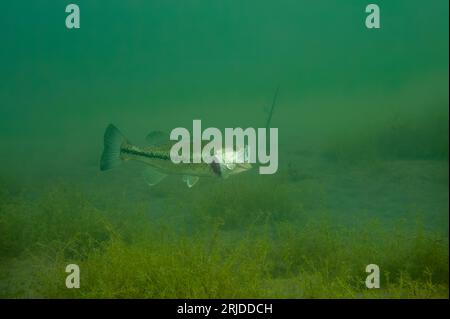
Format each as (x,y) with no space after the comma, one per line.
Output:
(230,166)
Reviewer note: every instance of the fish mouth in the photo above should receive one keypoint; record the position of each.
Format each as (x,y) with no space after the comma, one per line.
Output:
(241,167)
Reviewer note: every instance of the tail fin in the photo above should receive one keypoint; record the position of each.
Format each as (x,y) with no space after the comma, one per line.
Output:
(113,140)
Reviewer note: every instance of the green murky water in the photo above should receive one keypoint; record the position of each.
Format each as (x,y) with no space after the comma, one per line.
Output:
(363,149)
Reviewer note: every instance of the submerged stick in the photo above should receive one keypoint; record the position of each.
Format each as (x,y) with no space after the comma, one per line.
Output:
(272,108)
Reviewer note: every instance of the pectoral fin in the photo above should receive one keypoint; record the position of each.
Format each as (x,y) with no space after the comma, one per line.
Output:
(190,180)
(153,177)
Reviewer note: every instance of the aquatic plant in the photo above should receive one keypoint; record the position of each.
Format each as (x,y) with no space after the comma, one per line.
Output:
(153,259)
(240,203)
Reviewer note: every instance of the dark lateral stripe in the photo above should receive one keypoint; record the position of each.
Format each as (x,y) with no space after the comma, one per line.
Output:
(145,154)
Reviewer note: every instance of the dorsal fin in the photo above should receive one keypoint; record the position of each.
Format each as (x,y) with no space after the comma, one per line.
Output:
(157,138)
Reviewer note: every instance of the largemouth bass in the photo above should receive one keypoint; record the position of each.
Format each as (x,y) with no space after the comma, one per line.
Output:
(118,149)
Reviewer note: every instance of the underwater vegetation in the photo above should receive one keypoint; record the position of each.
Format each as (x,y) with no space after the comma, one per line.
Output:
(240,248)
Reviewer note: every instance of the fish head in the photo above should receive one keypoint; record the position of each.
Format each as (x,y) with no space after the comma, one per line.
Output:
(232,161)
